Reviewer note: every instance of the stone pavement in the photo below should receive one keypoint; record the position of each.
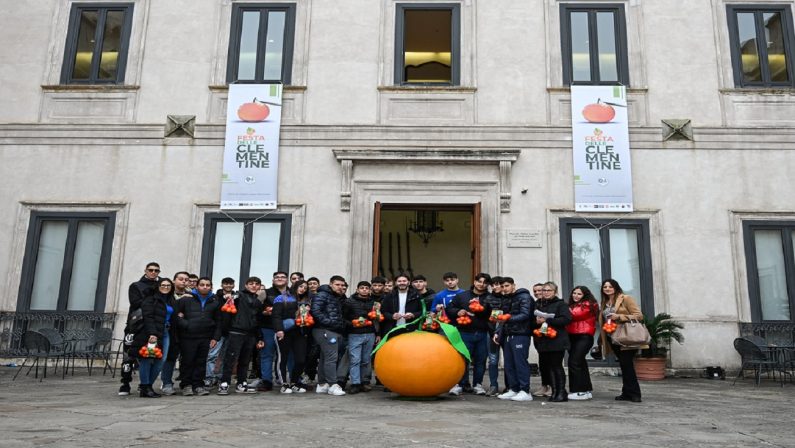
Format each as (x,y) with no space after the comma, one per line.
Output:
(83,411)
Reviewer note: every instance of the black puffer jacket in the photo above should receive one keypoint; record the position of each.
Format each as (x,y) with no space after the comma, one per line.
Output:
(327,309)
(247,318)
(354,308)
(391,305)
(140,290)
(198,322)
(480,321)
(268,298)
(520,306)
(154,318)
(562,318)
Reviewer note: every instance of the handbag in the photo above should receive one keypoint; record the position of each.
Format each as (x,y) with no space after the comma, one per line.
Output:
(135,322)
(631,334)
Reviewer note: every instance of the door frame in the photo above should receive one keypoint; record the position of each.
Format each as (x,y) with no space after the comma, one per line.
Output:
(475,229)
(365,193)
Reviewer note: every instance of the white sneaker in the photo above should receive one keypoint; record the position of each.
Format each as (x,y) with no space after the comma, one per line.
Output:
(507,395)
(580,396)
(479,390)
(456,390)
(522,396)
(336,390)
(322,388)
(298,390)
(286,389)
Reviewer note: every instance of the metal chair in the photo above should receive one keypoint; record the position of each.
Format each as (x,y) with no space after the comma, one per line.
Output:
(753,358)
(99,345)
(58,348)
(36,346)
(759,341)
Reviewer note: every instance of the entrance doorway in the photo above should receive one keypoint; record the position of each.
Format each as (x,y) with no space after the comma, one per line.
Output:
(427,239)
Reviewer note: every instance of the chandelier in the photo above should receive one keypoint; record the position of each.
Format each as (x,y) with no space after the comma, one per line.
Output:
(425,224)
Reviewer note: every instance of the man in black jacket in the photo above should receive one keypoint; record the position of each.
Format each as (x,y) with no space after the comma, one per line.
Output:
(514,337)
(362,330)
(197,321)
(241,330)
(475,304)
(401,305)
(420,283)
(136,293)
(329,327)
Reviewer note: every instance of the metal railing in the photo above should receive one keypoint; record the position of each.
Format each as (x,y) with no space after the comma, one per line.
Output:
(74,326)
(774,333)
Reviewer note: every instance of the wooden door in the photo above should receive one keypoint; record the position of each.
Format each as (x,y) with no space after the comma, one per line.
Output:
(475,239)
(376,238)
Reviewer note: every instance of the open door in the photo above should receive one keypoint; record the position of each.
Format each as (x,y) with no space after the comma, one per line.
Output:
(377,265)
(475,239)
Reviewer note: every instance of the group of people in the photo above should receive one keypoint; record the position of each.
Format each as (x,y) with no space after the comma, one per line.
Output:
(309,330)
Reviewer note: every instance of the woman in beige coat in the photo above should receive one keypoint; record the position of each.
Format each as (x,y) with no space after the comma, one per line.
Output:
(620,308)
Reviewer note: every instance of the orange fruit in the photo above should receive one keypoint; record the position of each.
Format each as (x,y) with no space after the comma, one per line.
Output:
(419,364)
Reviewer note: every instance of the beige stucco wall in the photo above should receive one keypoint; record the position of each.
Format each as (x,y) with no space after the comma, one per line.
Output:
(693,193)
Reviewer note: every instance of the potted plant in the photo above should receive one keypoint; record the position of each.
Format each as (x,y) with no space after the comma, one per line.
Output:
(650,365)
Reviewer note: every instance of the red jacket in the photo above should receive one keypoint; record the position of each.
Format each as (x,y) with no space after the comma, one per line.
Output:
(583,318)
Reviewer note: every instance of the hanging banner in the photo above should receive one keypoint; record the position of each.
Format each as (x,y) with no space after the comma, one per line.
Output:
(600,137)
(251,150)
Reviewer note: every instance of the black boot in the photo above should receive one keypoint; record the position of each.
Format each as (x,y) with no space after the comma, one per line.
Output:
(559,392)
(148,392)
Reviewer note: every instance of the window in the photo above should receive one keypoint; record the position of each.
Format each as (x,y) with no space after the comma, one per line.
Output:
(770,258)
(427,44)
(67,261)
(97,44)
(242,245)
(261,43)
(761,45)
(594,44)
(595,249)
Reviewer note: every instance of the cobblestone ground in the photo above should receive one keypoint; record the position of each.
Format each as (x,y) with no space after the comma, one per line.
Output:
(83,411)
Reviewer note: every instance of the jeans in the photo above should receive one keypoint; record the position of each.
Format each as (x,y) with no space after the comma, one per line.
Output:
(149,368)
(478,345)
(626,360)
(329,353)
(170,361)
(494,364)
(579,377)
(360,347)
(266,354)
(515,350)
(215,358)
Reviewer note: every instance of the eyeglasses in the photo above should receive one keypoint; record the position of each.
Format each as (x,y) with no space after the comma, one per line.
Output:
(548,290)
(165,286)
(153,270)
(280,276)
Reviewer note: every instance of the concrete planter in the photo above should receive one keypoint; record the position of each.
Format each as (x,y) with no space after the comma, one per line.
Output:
(650,369)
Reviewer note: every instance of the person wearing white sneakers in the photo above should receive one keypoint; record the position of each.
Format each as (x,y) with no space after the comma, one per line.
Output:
(584,312)
(513,335)
(329,326)
(475,304)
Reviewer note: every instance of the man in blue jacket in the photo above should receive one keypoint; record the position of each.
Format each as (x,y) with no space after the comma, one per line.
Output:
(197,320)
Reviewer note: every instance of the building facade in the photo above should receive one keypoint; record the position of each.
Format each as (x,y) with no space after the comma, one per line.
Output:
(396,114)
